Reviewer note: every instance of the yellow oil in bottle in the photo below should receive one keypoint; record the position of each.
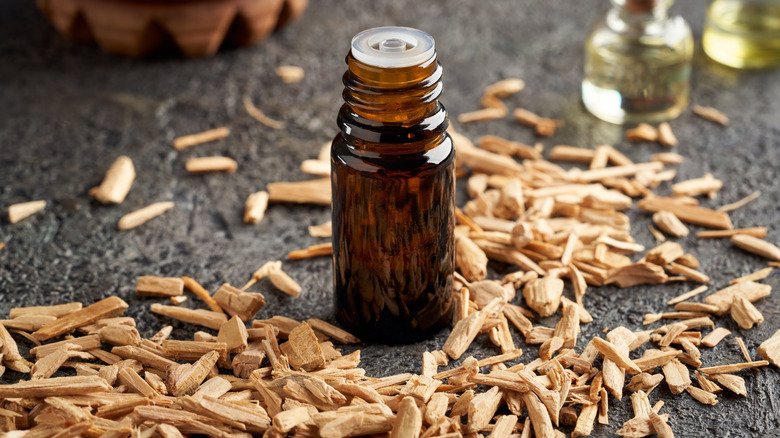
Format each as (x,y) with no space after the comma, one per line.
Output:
(638,63)
(743,34)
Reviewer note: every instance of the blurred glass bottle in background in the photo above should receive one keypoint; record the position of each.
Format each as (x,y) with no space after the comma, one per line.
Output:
(638,63)
(743,33)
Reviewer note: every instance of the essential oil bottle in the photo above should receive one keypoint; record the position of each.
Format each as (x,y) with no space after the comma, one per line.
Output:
(638,63)
(743,33)
(392,168)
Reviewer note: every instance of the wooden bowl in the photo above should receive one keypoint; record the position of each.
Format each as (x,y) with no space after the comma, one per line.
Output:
(195,27)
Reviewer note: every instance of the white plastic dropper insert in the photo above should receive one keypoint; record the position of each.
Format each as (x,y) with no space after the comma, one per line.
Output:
(393,47)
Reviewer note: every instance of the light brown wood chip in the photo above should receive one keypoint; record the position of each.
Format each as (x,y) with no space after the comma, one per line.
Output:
(731,382)
(482,408)
(202,293)
(233,333)
(467,329)
(637,273)
(56,311)
(211,164)
(584,425)
(408,422)
(55,386)
(707,184)
(733,367)
(504,426)
(665,135)
(587,176)
(186,141)
(687,213)
(745,313)
(470,259)
(105,308)
(711,114)
(612,353)
(482,115)
(540,418)
(660,425)
(303,349)
(668,158)
(290,74)
(543,295)
(754,276)
(753,231)
(756,246)
(571,153)
(741,203)
(160,287)
(714,337)
(236,302)
(143,215)
(333,332)
(320,249)
(117,182)
(255,206)
(316,167)
(686,295)
(642,132)
(670,224)
(749,290)
(316,191)
(17,212)
(283,282)
(323,230)
(185,380)
(770,349)
(503,146)
(258,115)
(206,318)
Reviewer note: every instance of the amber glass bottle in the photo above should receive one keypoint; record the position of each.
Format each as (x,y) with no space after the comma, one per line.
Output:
(393,190)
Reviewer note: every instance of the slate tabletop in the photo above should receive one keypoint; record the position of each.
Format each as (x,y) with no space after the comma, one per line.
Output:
(68,110)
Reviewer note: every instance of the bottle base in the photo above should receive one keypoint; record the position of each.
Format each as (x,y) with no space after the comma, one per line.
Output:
(607,104)
(392,332)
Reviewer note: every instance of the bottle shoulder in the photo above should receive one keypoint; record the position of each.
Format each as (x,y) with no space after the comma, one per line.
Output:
(672,31)
(672,36)
(345,154)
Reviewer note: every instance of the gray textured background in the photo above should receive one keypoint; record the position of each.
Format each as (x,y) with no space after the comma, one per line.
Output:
(67,111)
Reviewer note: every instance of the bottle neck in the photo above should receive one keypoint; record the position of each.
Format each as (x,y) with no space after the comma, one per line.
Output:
(392,110)
(638,16)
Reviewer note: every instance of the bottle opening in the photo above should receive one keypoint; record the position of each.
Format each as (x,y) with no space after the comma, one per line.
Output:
(393,47)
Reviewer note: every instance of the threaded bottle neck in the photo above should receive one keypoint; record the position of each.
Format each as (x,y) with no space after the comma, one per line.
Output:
(391,91)
(402,96)
(392,110)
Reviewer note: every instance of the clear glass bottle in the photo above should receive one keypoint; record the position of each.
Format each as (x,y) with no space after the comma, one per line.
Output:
(638,63)
(743,33)
(393,190)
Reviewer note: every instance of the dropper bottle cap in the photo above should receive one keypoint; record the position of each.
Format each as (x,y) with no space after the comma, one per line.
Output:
(393,47)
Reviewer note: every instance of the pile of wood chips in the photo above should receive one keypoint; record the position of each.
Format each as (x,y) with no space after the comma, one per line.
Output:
(282,377)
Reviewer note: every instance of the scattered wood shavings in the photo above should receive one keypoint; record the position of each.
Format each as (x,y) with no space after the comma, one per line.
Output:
(665,135)
(290,74)
(770,349)
(711,114)
(143,215)
(741,203)
(186,141)
(317,250)
(756,246)
(258,115)
(117,182)
(17,212)
(255,206)
(211,164)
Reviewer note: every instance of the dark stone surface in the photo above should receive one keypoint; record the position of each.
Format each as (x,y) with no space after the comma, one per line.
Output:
(67,111)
